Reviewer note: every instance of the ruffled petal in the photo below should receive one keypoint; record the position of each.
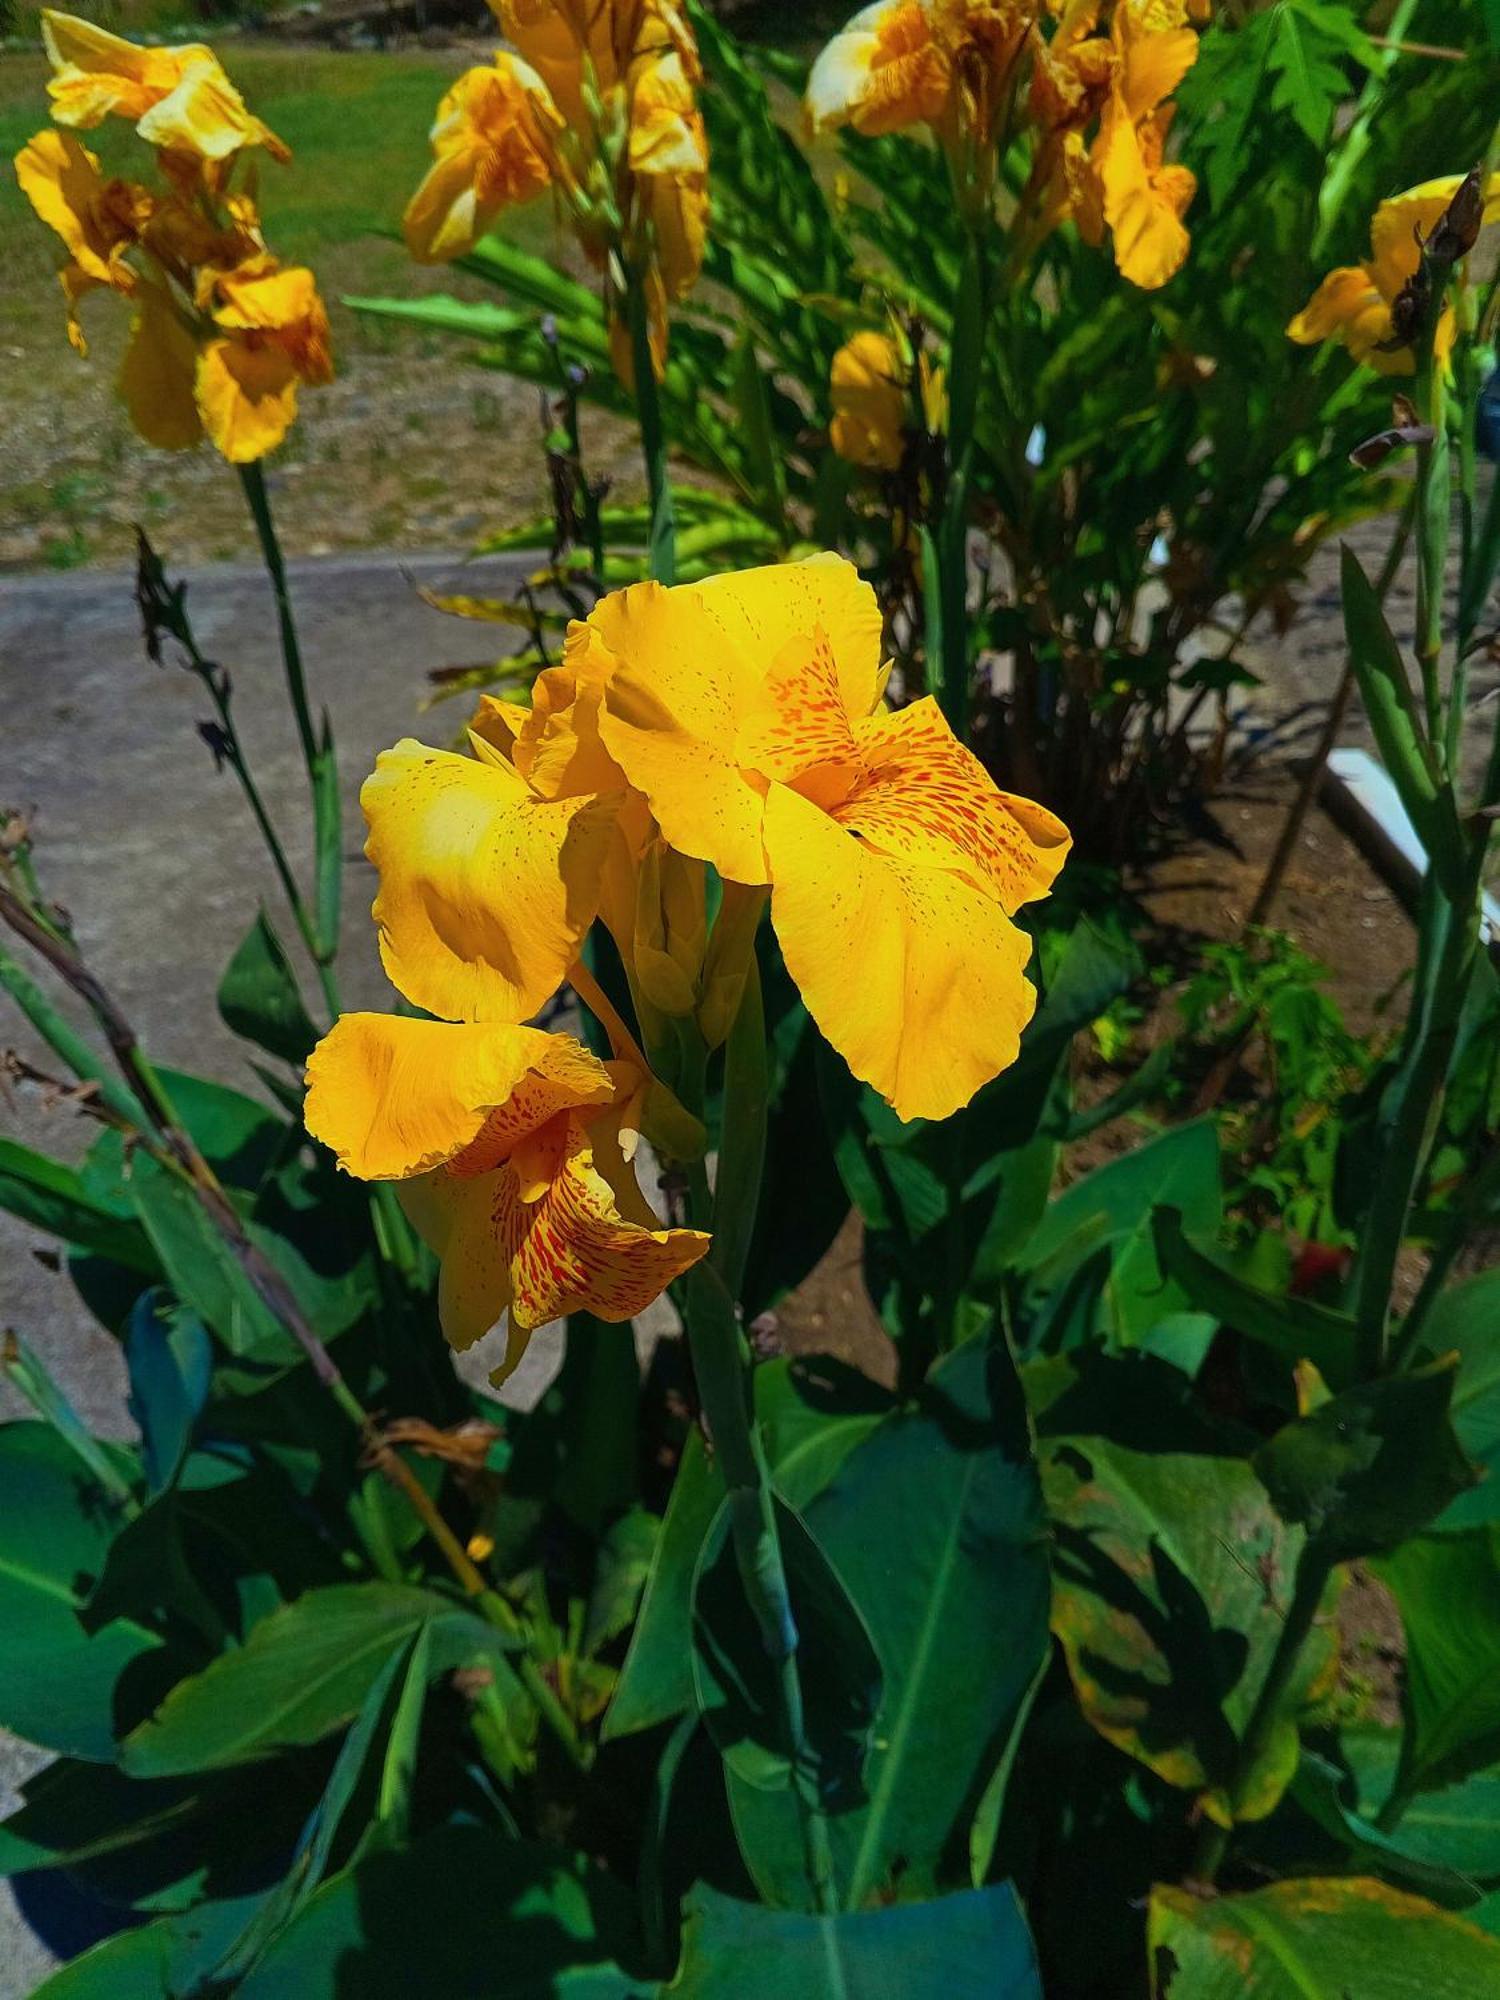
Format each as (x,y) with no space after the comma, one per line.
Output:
(928,802)
(393,1097)
(246,392)
(916,977)
(485,890)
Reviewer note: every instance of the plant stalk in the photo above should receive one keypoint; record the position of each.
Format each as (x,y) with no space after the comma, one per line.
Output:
(662,548)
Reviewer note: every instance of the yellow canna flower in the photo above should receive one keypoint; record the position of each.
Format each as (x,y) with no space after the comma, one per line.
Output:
(178,99)
(745,709)
(598,103)
(98,220)
(1353,303)
(513,1148)
(272,335)
(867,387)
(1143,199)
(494,139)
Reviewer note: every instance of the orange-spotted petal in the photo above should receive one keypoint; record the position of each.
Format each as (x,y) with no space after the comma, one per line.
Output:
(914,975)
(927,801)
(394,1097)
(485,890)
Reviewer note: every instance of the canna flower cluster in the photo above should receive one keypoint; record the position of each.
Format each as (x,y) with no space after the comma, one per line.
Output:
(1093,82)
(736,723)
(1354,305)
(595,101)
(222,336)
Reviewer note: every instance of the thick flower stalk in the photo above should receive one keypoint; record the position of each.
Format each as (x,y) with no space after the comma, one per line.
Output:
(222,337)
(1091,84)
(595,104)
(1356,304)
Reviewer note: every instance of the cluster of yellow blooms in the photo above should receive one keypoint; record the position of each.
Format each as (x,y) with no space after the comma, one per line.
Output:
(1092,80)
(222,334)
(739,723)
(1353,305)
(595,101)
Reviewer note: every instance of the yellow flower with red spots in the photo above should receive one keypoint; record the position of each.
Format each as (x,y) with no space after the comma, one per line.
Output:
(512,1148)
(596,102)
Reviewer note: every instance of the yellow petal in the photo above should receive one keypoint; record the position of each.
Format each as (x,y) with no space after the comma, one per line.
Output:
(247,396)
(456,1219)
(1152,64)
(204,115)
(493,145)
(1343,296)
(591,1243)
(929,802)
(882,73)
(916,977)
(1151,244)
(157,372)
(558,748)
(803,733)
(485,890)
(393,1097)
(60,178)
(867,389)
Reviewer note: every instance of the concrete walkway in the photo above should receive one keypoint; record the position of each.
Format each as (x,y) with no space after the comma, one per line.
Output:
(161,868)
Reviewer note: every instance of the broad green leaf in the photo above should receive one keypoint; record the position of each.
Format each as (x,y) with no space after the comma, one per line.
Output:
(159,1961)
(1455,1828)
(200,1267)
(737,1683)
(1466,1320)
(50,1196)
(259,997)
(461,1913)
(303,1672)
(1171,1578)
(1295,1329)
(1110,1210)
(813,1411)
(620,1572)
(656,1682)
(1336,1938)
(1323,1792)
(1369,1467)
(934,1522)
(63,1685)
(1448,1588)
(972,1943)
(170,1361)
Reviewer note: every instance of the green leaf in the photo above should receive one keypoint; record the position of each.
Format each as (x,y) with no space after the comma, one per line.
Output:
(173,1956)
(1370,1466)
(499,1917)
(934,1522)
(62,1685)
(656,1681)
(973,1943)
(1324,1939)
(1295,1329)
(737,1683)
(170,1360)
(50,1196)
(1466,1320)
(1448,1588)
(1171,1579)
(1320,1788)
(328,841)
(200,1267)
(1455,1829)
(303,1672)
(1110,1210)
(259,997)
(620,1573)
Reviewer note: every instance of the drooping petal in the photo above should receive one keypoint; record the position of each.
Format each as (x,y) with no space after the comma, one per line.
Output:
(866,385)
(591,1243)
(485,890)
(247,396)
(883,72)
(493,146)
(558,748)
(178,98)
(204,115)
(95,218)
(157,372)
(915,976)
(393,1097)
(457,1221)
(1151,244)
(1152,63)
(928,802)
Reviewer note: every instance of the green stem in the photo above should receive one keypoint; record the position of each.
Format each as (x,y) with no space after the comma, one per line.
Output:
(947,584)
(721,1368)
(61,1038)
(1313,1571)
(743,1154)
(26,1371)
(662,549)
(1434,494)
(317,755)
(1471,1203)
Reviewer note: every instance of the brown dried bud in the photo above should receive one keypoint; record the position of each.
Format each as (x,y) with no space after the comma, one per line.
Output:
(1457,228)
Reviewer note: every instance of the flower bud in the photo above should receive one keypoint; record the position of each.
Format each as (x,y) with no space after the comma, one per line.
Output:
(671,929)
(727,963)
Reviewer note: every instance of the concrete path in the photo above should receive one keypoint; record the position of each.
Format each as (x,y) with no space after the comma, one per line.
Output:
(157,860)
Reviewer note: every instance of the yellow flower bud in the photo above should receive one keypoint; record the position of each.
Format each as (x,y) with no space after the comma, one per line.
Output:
(727,963)
(671,929)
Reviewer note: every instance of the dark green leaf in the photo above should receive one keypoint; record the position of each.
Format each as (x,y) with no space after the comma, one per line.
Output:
(259,997)
(1448,1588)
(973,1946)
(50,1196)
(170,1360)
(1466,1320)
(62,1685)
(160,1961)
(1371,1466)
(304,1672)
